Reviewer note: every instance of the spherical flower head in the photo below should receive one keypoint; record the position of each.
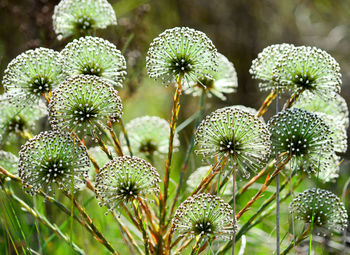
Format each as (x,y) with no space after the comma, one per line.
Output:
(334,112)
(308,69)
(237,135)
(94,56)
(53,159)
(329,213)
(332,172)
(224,81)
(14,120)
(82,17)
(32,74)
(204,215)
(124,180)
(304,137)
(197,176)
(149,136)
(8,161)
(181,51)
(84,105)
(262,66)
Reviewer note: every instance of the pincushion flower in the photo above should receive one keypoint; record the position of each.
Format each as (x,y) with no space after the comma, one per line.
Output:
(204,215)
(14,120)
(181,51)
(308,69)
(335,113)
(148,136)
(53,159)
(8,161)
(304,137)
(126,179)
(84,105)
(224,81)
(94,56)
(262,66)
(237,135)
(332,171)
(329,213)
(82,17)
(32,74)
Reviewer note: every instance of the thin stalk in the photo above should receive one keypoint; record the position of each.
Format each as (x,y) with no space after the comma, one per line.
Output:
(143,231)
(115,139)
(299,239)
(293,99)
(234,211)
(277,195)
(125,133)
(188,153)
(196,246)
(183,246)
(163,199)
(267,103)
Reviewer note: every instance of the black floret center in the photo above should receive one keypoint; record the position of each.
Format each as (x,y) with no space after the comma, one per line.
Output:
(17,123)
(54,169)
(39,85)
(304,81)
(148,147)
(91,69)
(229,146)
(84,25)
(129,191)
(205,83)
(181,64)
(203,226)
(85,113)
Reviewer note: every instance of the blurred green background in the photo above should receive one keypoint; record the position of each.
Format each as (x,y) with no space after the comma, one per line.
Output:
(240,29)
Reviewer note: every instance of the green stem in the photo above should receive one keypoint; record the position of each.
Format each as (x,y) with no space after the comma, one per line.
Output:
(125,133)
(143,230)
(295,242)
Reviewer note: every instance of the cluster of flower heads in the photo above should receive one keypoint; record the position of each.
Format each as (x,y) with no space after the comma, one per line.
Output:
(148,136)
(224,81)
(14,120)
(322,208)
(262,67)
(82,17)
(124,180)
(94,56)
(32,74)
(198,175)
(297,69)
(181,51)
(52,159)
(8,161)
(303,136)
(84,104)
(204,215)
(237,135)
(334,112)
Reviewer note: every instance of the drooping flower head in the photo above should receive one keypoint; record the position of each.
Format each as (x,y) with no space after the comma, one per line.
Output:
(224,81)
(308,69)
(8,161)
(237,135)
(204,215)
(31,74)
(263,65)
(14,120)
(181,50)
(334,112)
(94,56)
(148,136)
(84,104)
(52,159)
(329,213)
(126,179)
(304,137)
(82,17)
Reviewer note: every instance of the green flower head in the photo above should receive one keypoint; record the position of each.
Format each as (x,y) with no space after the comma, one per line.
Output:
(82,17)
(224,81)
(124,180)
(308,69)
(262,66)
(204,215)
(303,136)
(84,104)
(94,56)
(53,159)
(148,136)
(321,207)
(8,161)
(17,121)
(181,51)
(31,74)
(237,135)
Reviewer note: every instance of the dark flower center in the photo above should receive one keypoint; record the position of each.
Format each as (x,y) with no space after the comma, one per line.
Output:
(85,113)
(148,147)
(91,69)
(84,25)
(129,191)
(229,146)
(208,83)
(203,227)
(304,81)
(17,123)
(181,64)
(53,169)
(297,146)
(39,85)
(320,219)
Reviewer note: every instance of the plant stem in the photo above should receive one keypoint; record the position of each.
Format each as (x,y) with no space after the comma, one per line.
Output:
(234,211)
(143,231)
(267,103)
(196,245)
(163,199)
(116,141)
(125,133)
(300,238)
(292,99)
(277,195)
